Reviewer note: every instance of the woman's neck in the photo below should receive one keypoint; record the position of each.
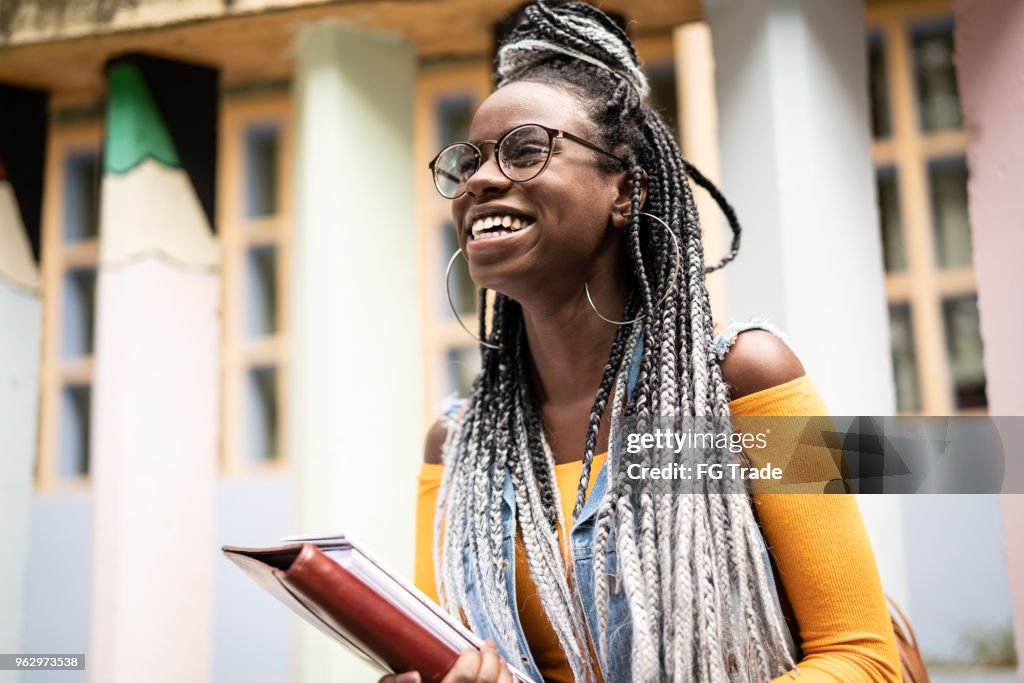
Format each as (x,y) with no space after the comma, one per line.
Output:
(569,346)
(568,351)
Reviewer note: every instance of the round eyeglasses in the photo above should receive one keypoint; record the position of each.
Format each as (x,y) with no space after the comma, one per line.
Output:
(523,153)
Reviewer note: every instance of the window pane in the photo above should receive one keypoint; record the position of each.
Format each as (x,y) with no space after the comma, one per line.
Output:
(948,183)
(938,98)
(461,286)
(261,292)
(75,418)
(878,84)
(963,342)
(454,114)
(904,358)
(662,79)
(261,418)
(81,196)
(461,367)
(893,251)
(78,313)
(261,169)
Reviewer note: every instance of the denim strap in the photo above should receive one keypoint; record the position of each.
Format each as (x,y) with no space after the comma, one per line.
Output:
(634,366)
(727,336)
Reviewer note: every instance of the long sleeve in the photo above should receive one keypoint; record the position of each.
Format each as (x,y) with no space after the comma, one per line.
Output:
(428,485)
(826,564)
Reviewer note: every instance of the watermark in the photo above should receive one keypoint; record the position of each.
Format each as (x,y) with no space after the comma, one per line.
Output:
(42,662)
(823,454)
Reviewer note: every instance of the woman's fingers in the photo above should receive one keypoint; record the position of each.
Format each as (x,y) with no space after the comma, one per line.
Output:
(473,666)
(404,677)
(480,666)
(465,669)
(506,674)
(490,663)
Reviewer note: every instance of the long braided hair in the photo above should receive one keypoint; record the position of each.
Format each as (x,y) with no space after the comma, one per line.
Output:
(691,564)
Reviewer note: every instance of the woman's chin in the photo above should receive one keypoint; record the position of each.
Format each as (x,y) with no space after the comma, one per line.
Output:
(512,274)
(498,280)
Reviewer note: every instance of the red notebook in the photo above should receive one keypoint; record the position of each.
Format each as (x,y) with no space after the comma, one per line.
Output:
(331,582)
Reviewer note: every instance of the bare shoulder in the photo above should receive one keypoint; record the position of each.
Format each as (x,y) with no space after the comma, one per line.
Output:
(758,360)
(436,435)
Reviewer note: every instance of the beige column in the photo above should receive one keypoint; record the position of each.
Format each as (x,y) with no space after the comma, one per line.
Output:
(355,431)
(698,120)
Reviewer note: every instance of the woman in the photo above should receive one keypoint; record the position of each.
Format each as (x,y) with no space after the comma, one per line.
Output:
(571,204)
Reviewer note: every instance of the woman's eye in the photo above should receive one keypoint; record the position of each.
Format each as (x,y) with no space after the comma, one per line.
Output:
(528,154)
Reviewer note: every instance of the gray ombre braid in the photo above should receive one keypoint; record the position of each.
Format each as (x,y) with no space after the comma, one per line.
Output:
(691,565)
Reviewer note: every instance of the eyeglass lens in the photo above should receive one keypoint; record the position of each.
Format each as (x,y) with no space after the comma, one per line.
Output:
(522,155)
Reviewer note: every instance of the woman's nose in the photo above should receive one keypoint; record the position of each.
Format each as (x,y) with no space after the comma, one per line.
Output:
(488,178)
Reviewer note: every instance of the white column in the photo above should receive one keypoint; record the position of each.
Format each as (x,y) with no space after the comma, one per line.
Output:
(156,389)
(355,432)
(20,334)
(796,163)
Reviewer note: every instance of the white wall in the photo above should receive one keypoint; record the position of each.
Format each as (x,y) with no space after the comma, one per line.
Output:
(19,399)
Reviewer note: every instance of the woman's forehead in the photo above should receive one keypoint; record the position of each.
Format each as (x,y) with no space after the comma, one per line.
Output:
(527,102)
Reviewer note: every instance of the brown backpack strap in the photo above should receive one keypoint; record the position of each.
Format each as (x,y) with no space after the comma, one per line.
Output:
(911,662)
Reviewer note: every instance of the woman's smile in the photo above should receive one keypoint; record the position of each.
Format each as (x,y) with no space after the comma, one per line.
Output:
(496,226)
(531,238)
(491,229)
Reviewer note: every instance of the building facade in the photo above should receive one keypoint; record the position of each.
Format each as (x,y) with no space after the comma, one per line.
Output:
(222,285)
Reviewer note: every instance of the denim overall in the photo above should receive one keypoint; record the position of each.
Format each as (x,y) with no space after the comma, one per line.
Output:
(619,636)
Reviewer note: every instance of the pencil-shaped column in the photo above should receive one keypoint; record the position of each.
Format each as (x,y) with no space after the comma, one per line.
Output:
(355,438)
(155,378)
(22,150)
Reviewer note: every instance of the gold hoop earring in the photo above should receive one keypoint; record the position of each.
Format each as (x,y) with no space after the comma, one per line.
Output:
(451,304)
(671,282)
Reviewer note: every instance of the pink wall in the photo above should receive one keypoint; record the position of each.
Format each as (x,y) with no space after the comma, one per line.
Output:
(990,66)
(990,69)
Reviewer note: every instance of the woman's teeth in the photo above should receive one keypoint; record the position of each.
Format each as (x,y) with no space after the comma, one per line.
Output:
(497,226)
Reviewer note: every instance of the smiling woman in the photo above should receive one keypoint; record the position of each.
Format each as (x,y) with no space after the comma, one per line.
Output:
(571,203)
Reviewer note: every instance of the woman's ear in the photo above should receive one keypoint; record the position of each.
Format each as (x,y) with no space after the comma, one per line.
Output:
(623,201)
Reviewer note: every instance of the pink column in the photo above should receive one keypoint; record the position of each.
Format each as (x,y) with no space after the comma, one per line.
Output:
(990,70)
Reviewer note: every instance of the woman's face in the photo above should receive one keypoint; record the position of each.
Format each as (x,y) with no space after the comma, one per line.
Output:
(565,215)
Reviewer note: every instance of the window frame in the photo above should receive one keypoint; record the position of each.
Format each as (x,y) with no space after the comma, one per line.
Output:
(59,258)
(441,333)
(237,234)
(908,151)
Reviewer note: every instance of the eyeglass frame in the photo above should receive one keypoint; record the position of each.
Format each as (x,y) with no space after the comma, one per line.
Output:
(553,134)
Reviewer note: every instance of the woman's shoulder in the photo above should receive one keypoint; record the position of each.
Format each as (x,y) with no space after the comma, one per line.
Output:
(757,359)
(451,412)
(434,444)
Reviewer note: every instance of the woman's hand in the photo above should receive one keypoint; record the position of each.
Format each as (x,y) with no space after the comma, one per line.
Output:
(473,666)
